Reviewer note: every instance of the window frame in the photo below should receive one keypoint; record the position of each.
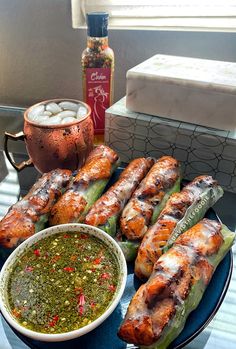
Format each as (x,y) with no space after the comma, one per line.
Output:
(169,22)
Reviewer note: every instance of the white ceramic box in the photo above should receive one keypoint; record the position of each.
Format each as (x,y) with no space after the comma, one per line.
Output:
(201,150)
(193,90)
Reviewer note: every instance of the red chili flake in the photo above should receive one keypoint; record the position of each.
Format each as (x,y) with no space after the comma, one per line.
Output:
(112,288)
(52,270)
(81,303)
(69,269)
(37,253)
(54,320)
(97,261)
(81,300)
(92,304)
(105,276)
(80,309)
(83,236)
(16,312)
(66,236)
(29,269)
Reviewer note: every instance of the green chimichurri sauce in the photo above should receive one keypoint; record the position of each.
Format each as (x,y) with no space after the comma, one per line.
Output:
(62,283)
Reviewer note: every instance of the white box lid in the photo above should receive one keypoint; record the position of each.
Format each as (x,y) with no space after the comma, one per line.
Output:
(191,71)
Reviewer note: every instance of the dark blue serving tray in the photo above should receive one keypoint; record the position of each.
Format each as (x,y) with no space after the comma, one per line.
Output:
(105,336)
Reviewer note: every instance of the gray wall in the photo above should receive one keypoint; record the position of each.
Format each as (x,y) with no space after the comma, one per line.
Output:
(40,52)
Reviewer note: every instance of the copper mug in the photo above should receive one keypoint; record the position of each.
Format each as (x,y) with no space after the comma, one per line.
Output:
(54,146)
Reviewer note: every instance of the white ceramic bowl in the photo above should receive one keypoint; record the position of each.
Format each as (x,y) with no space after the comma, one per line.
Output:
(4,276)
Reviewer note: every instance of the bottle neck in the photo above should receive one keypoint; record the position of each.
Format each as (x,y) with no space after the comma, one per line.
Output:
(97,44)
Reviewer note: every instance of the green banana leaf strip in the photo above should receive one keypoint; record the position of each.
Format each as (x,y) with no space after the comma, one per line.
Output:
(159,208)
(94,191)
(91,195)
(129,248)
(110,226)
(41,223)
(176,325)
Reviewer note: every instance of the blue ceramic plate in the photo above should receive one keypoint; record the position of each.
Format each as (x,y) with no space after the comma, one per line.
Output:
(105,336)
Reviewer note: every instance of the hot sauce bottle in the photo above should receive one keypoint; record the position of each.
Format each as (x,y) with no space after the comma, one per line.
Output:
(98,69)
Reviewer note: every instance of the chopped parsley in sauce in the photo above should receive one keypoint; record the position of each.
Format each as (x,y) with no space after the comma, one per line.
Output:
(62,283)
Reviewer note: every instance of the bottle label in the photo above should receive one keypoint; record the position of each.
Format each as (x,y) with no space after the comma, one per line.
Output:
(98,85)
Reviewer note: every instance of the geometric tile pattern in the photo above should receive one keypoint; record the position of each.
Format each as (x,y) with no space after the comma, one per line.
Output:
(200,150)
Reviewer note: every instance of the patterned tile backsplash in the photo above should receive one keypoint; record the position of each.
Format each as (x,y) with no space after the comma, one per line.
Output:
(201,150)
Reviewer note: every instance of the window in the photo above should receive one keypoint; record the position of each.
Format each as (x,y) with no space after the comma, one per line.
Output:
(163,14)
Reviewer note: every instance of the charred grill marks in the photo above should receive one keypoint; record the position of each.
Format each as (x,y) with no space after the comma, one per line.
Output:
(174,275)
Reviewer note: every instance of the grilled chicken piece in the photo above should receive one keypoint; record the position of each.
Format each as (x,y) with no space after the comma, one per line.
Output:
(110,205)
(204,243)
(86,187)
(182,272)
(182,211)
(147,198)
(171,266)
(21,220)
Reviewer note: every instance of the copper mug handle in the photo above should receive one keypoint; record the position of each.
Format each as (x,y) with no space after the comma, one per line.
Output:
(15,137)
